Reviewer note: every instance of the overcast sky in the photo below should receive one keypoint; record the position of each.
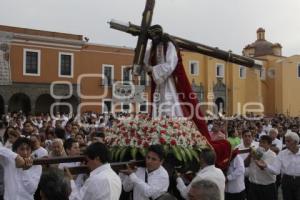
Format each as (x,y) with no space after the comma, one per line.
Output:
(227,24)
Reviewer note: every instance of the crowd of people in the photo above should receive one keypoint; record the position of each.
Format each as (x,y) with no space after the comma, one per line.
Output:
(272,162)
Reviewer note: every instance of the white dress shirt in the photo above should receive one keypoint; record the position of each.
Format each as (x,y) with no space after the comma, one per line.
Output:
(241,146)
(286,162)
(235,176)
(158,183)
(277,143)
(103,184)
(39,153)
(260,176)
(210,173)
(79,180)
(19,184)
(165,86)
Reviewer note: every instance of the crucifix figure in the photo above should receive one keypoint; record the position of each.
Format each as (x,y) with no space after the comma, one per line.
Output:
(171,91)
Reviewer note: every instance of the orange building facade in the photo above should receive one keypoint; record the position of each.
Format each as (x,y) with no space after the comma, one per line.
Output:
(44,71)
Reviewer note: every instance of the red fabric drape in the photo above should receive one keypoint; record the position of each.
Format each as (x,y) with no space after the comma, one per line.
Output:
(186,95)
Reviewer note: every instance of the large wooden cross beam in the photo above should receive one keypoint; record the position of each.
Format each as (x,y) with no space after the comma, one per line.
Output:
(142,33)
(228,56)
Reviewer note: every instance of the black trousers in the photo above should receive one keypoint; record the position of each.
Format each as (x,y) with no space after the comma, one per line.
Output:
(290,187)
(247,185)
(235,196)
(262,192)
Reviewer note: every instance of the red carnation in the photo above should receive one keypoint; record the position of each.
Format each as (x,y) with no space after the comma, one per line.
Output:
(163,132)
(146,144)
(162,140)
(127,140)
(173,142)
(139,142)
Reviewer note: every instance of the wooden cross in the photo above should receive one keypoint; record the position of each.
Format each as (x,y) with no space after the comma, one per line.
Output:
(143,38)
(142,32)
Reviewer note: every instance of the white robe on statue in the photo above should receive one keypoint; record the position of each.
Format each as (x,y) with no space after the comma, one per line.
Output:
(165,101)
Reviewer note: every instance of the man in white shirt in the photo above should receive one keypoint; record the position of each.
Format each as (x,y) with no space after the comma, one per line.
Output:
(150,182)
(208,171)
(276,143)
(103,183)
(262,182)
(247,142)
(71,147)
(38,151)
(235,185)
(260,132)
(19,183)
(287,163)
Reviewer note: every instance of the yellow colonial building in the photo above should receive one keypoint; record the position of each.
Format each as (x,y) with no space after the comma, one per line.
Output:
(237,89)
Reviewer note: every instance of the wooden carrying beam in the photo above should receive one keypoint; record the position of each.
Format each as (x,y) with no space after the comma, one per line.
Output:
(116,166)
(57,160)
(84,169)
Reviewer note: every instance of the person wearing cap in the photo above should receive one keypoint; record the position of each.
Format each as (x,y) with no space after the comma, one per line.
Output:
(287,162)
(150,182)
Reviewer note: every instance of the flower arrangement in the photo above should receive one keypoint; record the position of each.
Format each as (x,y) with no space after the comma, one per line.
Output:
(257,153)
(135,134)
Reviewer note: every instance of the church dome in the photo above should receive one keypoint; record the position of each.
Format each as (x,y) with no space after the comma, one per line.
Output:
(261,46)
